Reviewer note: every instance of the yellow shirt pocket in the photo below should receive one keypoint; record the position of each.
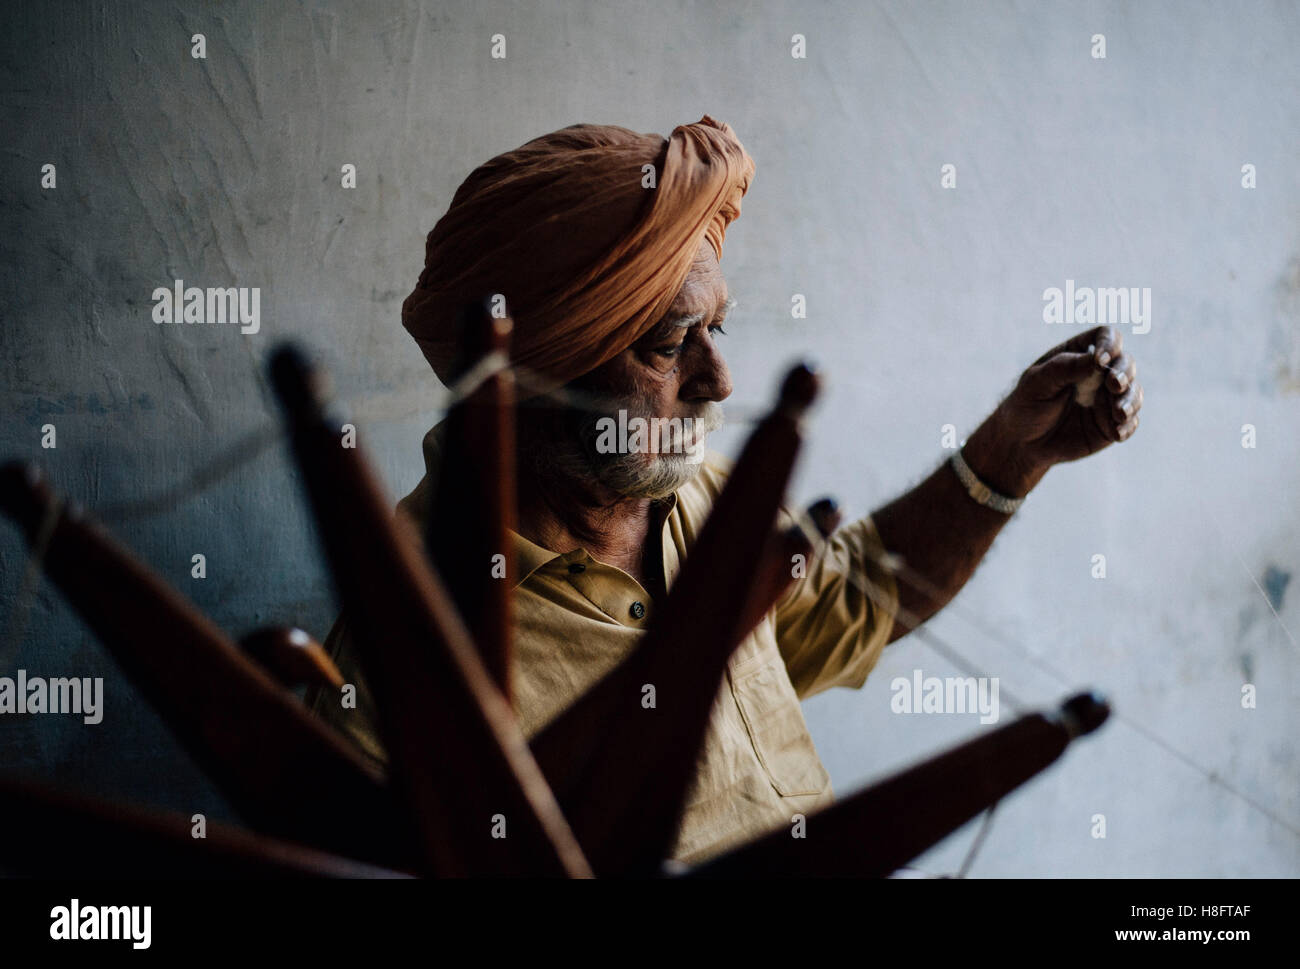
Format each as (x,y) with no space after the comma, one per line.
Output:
(770,708)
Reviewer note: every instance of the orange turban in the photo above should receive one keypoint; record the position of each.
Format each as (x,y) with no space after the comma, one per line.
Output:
(588,256)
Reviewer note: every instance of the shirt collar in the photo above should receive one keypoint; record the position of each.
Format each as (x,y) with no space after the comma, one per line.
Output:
(529,556)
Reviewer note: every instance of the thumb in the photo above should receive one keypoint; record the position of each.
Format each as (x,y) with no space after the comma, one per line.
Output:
(1049,378)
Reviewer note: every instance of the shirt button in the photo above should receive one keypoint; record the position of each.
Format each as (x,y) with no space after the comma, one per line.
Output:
(637,610)
(576,567)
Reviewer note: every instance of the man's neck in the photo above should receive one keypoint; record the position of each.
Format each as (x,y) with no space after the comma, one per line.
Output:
(617,530)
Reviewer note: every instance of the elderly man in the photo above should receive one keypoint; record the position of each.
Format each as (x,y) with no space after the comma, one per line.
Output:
(605,244)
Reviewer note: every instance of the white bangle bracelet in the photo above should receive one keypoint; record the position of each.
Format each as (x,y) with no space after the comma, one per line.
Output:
(981,492)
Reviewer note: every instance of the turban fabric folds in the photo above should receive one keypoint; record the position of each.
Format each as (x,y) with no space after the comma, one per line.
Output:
(588,257)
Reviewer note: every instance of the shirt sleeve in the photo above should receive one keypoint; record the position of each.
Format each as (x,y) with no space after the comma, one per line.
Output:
(832,624)
(358,723)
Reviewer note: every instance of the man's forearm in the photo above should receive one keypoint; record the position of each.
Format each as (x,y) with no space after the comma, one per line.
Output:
(941,532)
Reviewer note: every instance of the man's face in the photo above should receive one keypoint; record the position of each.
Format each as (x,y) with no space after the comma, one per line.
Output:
(675,371)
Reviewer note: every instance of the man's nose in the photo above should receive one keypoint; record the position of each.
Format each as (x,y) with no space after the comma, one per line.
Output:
(710,379)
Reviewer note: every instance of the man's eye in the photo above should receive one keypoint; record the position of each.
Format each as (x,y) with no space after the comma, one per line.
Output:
(674,349)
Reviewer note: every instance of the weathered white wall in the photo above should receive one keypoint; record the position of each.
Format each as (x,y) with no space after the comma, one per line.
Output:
(924,305)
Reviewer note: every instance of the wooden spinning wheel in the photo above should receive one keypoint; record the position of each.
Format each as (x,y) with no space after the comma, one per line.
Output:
(596,792)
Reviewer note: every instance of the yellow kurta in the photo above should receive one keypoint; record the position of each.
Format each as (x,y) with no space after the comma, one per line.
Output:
(576,618)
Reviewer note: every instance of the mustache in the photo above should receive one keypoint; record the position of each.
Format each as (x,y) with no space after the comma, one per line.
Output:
(709,417)
(705,418)
(675,433)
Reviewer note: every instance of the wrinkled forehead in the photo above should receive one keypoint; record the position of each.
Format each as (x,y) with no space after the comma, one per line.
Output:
(705,287)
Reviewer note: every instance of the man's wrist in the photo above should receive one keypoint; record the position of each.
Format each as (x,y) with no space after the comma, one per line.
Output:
(999,462)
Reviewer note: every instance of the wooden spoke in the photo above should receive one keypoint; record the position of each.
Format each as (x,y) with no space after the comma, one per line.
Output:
(457,756)
(86,837)
(285,771)
(473,505)
(880,829)
(293,658)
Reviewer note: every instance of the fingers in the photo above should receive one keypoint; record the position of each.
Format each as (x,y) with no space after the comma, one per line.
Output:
(1116,431)
(1049,378)
(1126,429)
(1104,342)
(1127,404)
(1103,376)
(1085,369)
(1110,343)
(1121,371)
(1117,410)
